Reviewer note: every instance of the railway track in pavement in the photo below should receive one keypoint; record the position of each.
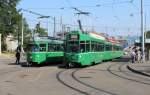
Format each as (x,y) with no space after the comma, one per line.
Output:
(123,73)
(76,84)
(113,72)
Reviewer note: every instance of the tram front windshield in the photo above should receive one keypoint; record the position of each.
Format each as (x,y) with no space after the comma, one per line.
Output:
(33,48)
(73,46)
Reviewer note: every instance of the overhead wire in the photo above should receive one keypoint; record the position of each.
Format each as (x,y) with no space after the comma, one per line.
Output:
(111,4)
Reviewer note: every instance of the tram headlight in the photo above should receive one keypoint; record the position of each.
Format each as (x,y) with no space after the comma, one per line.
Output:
(80,56)
(37,56)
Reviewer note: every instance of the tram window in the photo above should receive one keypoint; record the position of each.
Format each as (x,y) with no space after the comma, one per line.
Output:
(108,48)
(58,47)
(50,47)
(101,47)
(96,47)
(82,46)
(114,48)
(87,46)
(92,46)
(55,47)
(117,48)
(33,48)
(72,46)
(61,47)
(42,47)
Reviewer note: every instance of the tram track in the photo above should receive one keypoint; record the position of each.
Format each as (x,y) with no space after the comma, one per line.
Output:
(129,73)
(74,77)
(101,90)
(67,85)
(123,77)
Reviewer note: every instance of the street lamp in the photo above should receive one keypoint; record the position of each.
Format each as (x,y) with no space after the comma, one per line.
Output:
(22,30)
(142,33)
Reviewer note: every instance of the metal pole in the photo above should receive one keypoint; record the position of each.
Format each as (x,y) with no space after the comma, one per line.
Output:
(142,32)
(18,35)
(145,27)
(54,26)
(47,28)
(22,29)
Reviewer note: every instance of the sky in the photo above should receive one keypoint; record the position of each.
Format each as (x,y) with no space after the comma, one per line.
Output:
(114,17)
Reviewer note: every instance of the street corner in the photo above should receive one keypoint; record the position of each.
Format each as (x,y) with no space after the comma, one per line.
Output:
(140,68)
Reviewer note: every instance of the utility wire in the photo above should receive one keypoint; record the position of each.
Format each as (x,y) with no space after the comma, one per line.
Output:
(88,6)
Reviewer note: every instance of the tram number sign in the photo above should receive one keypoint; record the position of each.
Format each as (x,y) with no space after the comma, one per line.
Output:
(74,37)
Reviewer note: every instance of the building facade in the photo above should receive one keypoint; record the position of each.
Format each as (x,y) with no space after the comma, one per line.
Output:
(11,43)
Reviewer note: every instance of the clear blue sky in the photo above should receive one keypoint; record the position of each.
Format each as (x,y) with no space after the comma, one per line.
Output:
(115,17)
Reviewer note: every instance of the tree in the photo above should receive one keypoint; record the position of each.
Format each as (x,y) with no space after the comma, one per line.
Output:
(26,33)
(9,19)
(40,31)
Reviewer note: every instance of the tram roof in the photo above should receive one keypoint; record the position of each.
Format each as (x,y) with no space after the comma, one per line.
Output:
(53,41)
(86,36)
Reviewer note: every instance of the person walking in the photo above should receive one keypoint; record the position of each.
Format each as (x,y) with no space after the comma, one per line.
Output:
(18,56)
(133,55)
(139,56)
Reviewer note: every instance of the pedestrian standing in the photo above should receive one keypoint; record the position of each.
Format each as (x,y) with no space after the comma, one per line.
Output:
(133,55)
(139,56)
(18,55)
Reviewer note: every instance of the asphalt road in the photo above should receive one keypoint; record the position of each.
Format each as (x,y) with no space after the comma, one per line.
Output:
(108,78)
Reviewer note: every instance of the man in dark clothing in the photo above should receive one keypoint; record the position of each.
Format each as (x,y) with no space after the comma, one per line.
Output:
(17,56)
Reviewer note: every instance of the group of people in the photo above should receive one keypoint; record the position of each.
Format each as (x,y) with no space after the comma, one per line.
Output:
(136,54)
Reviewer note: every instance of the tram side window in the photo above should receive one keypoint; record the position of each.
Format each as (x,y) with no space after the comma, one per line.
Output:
(101,47)
(42,47)
(117,48)
(82,46)
(50,47)
(55,47)
(114,48)
(58,47)
(61,47)
(108,48)
(96,47)
(92,46)
(87,46)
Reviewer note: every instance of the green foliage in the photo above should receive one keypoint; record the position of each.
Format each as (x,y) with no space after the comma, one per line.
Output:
(26,33)
(41,31)
(9,18)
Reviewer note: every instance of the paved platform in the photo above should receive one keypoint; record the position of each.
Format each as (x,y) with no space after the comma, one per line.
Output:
(140,68)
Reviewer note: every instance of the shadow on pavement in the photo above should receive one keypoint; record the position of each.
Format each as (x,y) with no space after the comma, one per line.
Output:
(23,64)
(13,64)
(123,59)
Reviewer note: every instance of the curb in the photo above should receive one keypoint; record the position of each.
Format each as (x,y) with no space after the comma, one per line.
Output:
(136,71)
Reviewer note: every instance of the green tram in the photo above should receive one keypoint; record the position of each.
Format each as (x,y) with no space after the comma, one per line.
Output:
(45,50)
(83,49)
